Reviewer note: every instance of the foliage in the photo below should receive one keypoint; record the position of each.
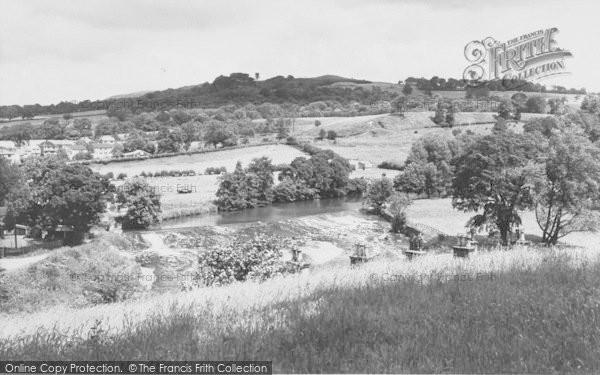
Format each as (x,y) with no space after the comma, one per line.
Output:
(77,277)
(215,170)
(378,193)
(258,258)
(397,205)
(10,179)
(567,188)
(536,104)
(59,194)
(491,176)
(141,202)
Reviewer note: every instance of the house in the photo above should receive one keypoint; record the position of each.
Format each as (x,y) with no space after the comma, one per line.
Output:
(107,139)
(74,150)
(25,152)
(102,151)
(135,154)
(48,148)
(9,153)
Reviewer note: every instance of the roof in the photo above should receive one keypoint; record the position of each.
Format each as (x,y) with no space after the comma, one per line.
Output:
(77,147)
(101,145)
(47,144)
(107,137)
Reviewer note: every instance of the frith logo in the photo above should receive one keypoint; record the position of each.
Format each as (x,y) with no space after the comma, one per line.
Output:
(530,57)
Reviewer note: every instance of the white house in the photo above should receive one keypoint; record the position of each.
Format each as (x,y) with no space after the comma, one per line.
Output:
(135,154)
(48,148)
(9,153)
(74,150)
(102,151)
(107,139)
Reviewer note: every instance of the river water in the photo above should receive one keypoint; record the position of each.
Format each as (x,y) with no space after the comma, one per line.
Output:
(272,213)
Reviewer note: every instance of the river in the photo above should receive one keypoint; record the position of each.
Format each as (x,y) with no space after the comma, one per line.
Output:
(272,213)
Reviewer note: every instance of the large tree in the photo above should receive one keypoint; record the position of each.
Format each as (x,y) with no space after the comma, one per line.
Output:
(59,194)
(10,179)
(141,202)
(568,187)
(491,178)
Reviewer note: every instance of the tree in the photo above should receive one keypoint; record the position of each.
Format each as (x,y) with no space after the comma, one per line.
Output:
(217,133)
(491,177)
(10,178)
(263,168)
(20,134)
(536,104)
(141,202)
(407,89)
(378,193)
(506,110)
(331,135)
(398,203)
(51,129)
(117,150)
(60,194)
(567,188)
(317,123)
(322,134)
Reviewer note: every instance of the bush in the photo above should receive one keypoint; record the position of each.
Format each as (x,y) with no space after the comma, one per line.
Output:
(357,187)
(122,176)
(291,141)
(110,175)
(390,165)
(213,170)
(257,259)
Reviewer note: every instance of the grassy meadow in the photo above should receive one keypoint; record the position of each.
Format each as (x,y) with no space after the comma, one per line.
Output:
(514,311)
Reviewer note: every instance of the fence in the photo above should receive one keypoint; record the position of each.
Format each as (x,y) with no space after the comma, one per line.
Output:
(11,251)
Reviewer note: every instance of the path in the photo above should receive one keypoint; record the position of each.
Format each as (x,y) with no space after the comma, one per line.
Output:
(11,264)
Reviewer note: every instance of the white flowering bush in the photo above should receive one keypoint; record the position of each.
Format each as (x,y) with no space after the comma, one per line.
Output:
(259,258)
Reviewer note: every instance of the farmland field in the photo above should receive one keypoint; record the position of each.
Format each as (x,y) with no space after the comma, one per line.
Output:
(199,162)
(390,137)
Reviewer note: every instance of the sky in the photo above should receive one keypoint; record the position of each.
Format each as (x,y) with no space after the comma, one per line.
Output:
(72,50)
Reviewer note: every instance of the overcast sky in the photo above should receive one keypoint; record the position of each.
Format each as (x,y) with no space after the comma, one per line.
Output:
(53,50)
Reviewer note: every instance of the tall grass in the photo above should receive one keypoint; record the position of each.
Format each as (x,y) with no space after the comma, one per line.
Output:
(528,311)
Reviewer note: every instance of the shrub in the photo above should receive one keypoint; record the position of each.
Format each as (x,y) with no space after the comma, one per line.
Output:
(291,141)
(257,259)
(215,170)
(390,165)
(122,176)
(110,175)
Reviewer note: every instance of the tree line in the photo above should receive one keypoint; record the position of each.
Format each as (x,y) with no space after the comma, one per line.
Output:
(552,168)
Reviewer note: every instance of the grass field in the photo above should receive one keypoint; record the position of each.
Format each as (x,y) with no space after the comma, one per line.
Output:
(390,137)
(199,162)
(514,311)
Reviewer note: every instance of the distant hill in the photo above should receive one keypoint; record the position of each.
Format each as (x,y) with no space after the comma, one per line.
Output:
(126,96)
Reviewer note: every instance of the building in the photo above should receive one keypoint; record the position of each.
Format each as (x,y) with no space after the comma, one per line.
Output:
(102,151)
(135,154)
(74,150)
(48,148)
(9,153)
(25,152)
(107,139)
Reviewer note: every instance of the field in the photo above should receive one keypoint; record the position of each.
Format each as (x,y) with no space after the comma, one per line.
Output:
(94,116)
(516,311)
(390,137)
(203,187)
(199,162)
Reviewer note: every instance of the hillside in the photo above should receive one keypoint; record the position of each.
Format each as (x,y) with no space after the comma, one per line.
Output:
(431,315)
